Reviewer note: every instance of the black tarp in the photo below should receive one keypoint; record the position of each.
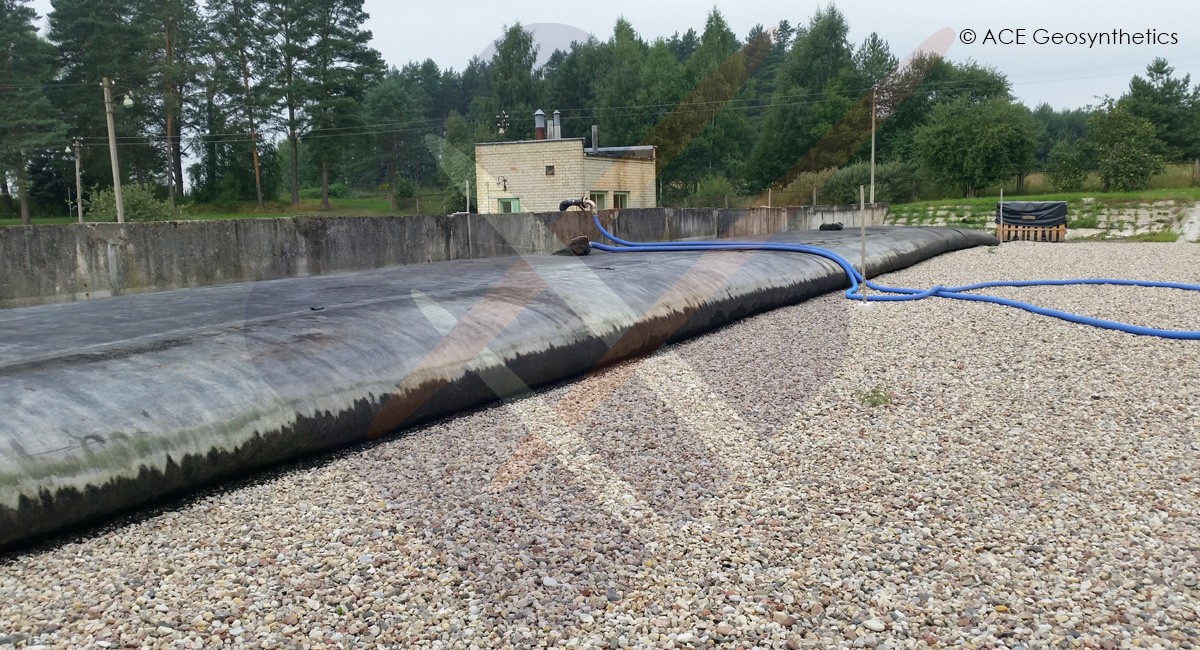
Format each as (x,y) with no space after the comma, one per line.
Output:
(1032,213)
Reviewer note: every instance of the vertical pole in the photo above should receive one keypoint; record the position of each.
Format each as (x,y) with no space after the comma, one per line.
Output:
(467,191)
(78,183)
(112,151)
(862,229)
(768,197)
(1000,217)
(873,144)
(814,196)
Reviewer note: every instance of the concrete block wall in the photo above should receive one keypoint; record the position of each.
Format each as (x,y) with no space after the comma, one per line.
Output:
(517,170)
(608,175)
(44,264)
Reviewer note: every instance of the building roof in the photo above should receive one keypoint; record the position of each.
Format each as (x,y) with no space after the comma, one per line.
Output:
(639,152)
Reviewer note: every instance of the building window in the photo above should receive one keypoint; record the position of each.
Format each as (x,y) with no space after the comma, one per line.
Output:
(549,170)
(620,200)
(508,206)
(599,198)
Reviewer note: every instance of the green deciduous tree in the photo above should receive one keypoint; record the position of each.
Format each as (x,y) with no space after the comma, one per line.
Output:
(974,145)
(1123,145)
(1067,165)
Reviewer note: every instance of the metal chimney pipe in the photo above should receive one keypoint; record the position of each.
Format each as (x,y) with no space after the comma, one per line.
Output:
(539,125)
(557,125)
(595,138)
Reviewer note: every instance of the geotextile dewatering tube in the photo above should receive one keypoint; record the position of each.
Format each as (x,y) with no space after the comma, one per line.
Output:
(894,294)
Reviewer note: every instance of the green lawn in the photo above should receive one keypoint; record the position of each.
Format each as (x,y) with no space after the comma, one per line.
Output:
(362,207)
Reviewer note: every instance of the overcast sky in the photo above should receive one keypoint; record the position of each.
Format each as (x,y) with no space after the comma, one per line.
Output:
(1066,76)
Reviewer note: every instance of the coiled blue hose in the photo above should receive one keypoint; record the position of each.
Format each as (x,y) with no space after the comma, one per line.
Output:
(900,293)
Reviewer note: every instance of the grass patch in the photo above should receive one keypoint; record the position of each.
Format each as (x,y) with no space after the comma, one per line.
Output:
(370,206)
(1156,236)
(880,395)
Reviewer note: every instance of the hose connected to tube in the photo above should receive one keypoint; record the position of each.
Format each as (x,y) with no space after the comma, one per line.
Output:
(894,294)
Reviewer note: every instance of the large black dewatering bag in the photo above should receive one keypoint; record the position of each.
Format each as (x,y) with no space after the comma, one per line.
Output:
(115,403)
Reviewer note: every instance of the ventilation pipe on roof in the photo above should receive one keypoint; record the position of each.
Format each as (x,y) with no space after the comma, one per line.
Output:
(595,138)
(557,130)
(539,125)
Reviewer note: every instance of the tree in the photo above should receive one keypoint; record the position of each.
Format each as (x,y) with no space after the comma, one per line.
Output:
(244,73)
(390,108)
(1124,147)
(294,23)
(976,145)
(619,119)
(1067,165)
(571,83)
(514,84)
(820,53)
(175,64)
(97,39)
(29,124)
(1057,126)
(1171,105)
(339,67)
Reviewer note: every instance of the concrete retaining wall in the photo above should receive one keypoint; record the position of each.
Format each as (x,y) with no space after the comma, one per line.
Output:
(44,264)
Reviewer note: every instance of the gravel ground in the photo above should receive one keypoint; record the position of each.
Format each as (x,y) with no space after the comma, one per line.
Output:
(910,475)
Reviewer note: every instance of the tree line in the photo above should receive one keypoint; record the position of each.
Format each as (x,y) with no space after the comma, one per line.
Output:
(275,100)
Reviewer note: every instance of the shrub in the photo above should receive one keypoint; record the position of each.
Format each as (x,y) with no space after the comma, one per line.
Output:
(1066,166)
(893,182)
(140,205)
(336,191)
(711,191)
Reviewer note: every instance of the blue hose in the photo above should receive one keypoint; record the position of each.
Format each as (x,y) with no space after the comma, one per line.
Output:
(899,293)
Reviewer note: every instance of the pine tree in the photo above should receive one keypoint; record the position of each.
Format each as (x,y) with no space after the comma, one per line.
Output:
(244,76)
(1172,105)
(514,82)
(177,49)
(339,66)
(804,99)
(294,23)
(97,39)
(391,110)
(29,124)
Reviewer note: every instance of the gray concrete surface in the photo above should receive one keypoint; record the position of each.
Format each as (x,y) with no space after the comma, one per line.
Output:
(110,404)
(45,264)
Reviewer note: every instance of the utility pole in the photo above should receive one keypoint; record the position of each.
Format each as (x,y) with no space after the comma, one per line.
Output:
(78,182)
(873,92)
(112,151)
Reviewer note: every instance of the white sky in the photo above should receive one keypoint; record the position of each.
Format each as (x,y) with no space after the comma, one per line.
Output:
(1066,76)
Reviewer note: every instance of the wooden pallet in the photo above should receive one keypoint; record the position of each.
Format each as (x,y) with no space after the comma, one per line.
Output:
(1014,232)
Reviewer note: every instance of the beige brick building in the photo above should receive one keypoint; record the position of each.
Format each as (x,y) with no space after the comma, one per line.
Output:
(535,175)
